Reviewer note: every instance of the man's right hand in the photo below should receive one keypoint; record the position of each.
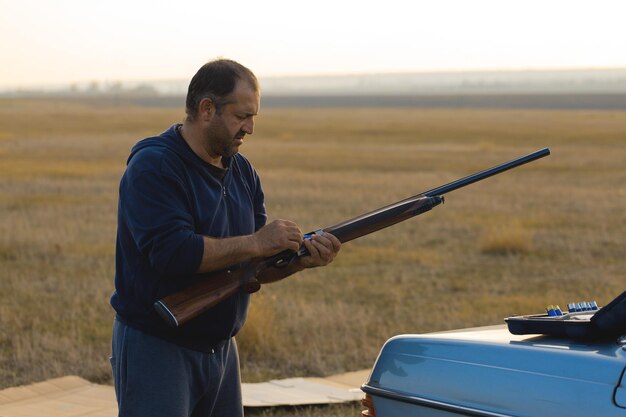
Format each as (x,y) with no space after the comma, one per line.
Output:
(277,236)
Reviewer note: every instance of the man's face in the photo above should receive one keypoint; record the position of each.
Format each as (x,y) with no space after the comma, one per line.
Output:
(227,128)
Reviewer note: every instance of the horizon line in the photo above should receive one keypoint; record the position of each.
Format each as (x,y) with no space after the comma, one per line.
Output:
(443,71)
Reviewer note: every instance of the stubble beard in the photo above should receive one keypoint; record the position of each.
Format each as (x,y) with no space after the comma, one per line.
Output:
(230,148)
(220,141)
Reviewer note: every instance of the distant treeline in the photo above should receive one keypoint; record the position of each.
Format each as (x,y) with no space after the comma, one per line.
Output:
(502,101)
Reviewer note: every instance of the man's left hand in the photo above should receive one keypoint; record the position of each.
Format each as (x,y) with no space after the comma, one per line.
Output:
(322,250)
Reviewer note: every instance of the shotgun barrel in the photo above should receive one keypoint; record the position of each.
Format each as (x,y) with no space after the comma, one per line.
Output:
(470,179)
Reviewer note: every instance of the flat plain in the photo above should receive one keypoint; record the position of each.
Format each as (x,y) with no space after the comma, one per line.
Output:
(546,233)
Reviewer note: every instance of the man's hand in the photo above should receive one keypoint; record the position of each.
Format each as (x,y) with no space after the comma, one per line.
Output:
(277,236)
(322,249)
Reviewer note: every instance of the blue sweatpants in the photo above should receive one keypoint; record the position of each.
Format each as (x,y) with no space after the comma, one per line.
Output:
(155,378)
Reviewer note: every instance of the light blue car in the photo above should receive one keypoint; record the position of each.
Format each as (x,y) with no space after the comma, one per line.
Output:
(488,371)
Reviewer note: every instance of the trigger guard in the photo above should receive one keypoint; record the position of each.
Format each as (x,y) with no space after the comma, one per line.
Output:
(251,286)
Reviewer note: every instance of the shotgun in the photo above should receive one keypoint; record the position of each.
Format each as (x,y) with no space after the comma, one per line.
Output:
(182,306)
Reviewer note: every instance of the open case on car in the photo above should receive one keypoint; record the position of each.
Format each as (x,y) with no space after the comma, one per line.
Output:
(608,321)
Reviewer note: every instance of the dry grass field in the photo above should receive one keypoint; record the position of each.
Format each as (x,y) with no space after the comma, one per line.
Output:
(545,233)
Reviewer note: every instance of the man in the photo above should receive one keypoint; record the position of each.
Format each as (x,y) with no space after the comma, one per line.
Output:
(190,204)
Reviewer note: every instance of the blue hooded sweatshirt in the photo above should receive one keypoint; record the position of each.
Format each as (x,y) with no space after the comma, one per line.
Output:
(168,199)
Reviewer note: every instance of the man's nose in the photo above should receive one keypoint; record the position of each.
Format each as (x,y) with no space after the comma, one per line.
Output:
(248,127)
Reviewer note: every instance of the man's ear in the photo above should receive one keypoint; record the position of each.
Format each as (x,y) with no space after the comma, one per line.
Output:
(206,109)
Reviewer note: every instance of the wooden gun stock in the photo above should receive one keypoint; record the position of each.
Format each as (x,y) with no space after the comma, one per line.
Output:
(180,307)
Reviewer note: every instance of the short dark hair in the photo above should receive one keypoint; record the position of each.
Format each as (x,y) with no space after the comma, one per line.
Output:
(216,80)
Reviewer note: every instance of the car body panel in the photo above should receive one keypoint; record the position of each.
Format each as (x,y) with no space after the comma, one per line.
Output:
(488,371)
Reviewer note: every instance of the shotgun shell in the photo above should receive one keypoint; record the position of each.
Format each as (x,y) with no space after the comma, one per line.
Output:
(550,311)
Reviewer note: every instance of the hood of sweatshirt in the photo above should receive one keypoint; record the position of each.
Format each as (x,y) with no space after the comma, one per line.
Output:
(173,140)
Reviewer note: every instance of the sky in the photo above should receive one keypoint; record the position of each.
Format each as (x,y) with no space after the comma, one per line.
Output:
(57,42)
